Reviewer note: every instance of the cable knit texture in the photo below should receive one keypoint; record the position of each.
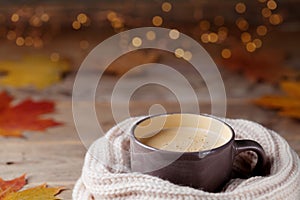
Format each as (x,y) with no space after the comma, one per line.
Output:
(106,171)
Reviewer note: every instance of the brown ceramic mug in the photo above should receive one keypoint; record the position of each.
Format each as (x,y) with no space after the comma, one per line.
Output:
(189,149)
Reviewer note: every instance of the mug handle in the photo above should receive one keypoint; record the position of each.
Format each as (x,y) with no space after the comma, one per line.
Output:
(262,167)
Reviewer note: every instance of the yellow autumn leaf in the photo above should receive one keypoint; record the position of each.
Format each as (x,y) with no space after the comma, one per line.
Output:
(38,71)
(41,192)
(288,105)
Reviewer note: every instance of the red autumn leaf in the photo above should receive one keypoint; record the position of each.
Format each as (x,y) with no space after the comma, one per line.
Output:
(14,185)
(23,116)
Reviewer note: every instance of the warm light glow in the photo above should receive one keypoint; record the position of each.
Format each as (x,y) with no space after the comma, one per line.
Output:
(242,24)
(219,20)
(82,18)
(174,34)
(222,33)
(20,41)
(257,42)
(166,7)
(76,25)
(150,35)
(262,1)
(272,5)
(45,17)
(212,37)
(204,25)
(28,41)
(111,15)
(136,42)
(245,37)
(84,44)
(266,12)
(157,21)
(37,42)
(11,35)
(187,55)
(204,38)
(54,57)
(117,23)
(226,53)
(240,8)
(250,47)
(35,21)
(261,30)
(179,53)
(275,19)
(15,17)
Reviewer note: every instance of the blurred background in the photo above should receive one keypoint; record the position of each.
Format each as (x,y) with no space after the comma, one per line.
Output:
(255,44)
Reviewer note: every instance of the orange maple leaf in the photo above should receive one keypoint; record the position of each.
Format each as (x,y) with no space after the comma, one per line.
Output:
(288,105)
(23,116)
(14,185)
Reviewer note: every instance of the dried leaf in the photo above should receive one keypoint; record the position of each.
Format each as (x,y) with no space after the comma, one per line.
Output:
(35,71)
(288,105)
(266,65)
(37,193)
(14,119)
(14,185)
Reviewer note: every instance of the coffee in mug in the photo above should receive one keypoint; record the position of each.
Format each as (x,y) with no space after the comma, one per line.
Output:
(190,149)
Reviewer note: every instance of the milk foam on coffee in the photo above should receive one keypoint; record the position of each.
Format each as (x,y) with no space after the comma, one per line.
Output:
(183,139)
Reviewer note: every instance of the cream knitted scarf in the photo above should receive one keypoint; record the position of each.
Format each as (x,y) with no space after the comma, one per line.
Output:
(106,171)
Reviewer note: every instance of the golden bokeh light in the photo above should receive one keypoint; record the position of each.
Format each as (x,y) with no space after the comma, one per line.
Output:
(20,41)
(157,20)
(204,38)
(54,57)
(204,25)
(219,20)
(212,37)
(187,55)
(45,17)
(150,35)
(245,37)
(111,15)
(166,7)
(174,34)
(240,8)
(117,23)
(226,53)
(222,33)
(11,35)
(266,12)
(261,30)
(179,53)
(82,18)
(250,46)
(242,24)
(136,42)
(35,21)
(271,4)
(76,25)
(15,17)
(275,19)
(257,42)
(28,41)
(84,44)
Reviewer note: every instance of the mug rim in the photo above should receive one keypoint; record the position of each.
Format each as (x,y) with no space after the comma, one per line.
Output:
(184,152)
